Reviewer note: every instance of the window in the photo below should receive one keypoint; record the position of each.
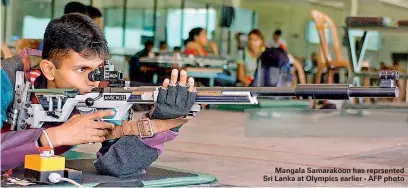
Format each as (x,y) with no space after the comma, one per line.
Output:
(173,27)
(112,18)
(3,23)
(312,36)
(113,26)
(34,27)
(243,21)
(139,27)
(192,18)
(139,23)
(29,22)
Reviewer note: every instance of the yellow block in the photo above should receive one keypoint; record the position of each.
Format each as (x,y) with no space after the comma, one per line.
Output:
(35,162)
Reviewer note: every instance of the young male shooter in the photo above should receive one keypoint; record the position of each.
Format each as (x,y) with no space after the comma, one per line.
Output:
(73,47)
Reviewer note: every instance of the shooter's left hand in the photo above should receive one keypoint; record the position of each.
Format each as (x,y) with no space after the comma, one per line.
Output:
(174,99)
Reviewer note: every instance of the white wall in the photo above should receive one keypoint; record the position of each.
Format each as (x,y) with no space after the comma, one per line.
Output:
(392,41)
(292,17)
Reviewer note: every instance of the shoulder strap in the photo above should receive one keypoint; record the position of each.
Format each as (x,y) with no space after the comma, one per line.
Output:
(31,59)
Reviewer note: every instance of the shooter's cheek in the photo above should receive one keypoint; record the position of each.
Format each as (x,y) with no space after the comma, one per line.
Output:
(95,84)
(85,90)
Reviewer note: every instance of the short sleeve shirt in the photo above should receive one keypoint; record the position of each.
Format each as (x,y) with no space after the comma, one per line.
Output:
(280,42)
(250,63)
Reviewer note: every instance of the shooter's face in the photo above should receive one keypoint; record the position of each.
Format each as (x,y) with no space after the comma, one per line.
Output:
(72,72)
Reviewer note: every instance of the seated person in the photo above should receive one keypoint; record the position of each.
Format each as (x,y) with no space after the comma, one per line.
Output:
(196,42)
(137,72)
(177,50)
(274,69)
(163,49)
(176,55)
(277,41)
(196,45)
(74,46)
(247,58)
(96,15)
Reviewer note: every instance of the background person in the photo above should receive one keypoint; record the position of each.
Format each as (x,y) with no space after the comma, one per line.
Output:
(96,15)
(277,41)
(196,45)
(137,72)
(196,42)
(247,58)
(71,7)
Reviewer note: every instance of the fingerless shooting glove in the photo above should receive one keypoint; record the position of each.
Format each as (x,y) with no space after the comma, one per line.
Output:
(173,102)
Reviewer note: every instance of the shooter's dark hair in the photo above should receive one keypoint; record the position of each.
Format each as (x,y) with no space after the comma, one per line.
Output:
(74,33)
(93,12)
(75,7)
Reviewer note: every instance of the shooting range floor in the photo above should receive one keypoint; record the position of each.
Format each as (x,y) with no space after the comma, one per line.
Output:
(214,143)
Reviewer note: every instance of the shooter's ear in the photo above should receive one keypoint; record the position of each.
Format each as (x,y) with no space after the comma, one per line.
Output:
(48,69)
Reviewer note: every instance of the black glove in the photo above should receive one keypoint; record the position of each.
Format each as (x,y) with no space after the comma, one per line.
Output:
(173,102)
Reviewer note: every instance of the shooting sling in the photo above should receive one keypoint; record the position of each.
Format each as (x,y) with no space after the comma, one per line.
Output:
(144,127)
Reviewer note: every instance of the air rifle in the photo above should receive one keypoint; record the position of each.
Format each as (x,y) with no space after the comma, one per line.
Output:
(56,105)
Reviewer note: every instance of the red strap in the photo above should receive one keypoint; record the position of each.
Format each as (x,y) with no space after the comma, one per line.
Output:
(25,57)
(34,74)
(26,63)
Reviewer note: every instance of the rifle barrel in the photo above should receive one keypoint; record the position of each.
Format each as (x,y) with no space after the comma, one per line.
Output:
(343,92)
(311,91)
(237,94)
(373,92)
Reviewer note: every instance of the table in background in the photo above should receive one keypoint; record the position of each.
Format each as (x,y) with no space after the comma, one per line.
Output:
(207,72)
(356,55)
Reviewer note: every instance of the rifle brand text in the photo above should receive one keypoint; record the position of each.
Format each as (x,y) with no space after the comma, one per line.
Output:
(114,97)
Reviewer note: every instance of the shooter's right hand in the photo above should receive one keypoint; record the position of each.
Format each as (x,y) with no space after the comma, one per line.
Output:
(79,129)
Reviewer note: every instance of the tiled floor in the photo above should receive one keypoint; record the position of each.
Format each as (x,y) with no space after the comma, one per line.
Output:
(215,143)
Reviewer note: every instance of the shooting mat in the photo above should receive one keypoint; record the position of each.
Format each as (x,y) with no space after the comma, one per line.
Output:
(155,175)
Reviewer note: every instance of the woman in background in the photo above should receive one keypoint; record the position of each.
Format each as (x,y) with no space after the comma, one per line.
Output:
(196,45)
(247,58)
(197,42)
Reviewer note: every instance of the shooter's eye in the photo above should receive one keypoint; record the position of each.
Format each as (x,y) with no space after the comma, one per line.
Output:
(80,70)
